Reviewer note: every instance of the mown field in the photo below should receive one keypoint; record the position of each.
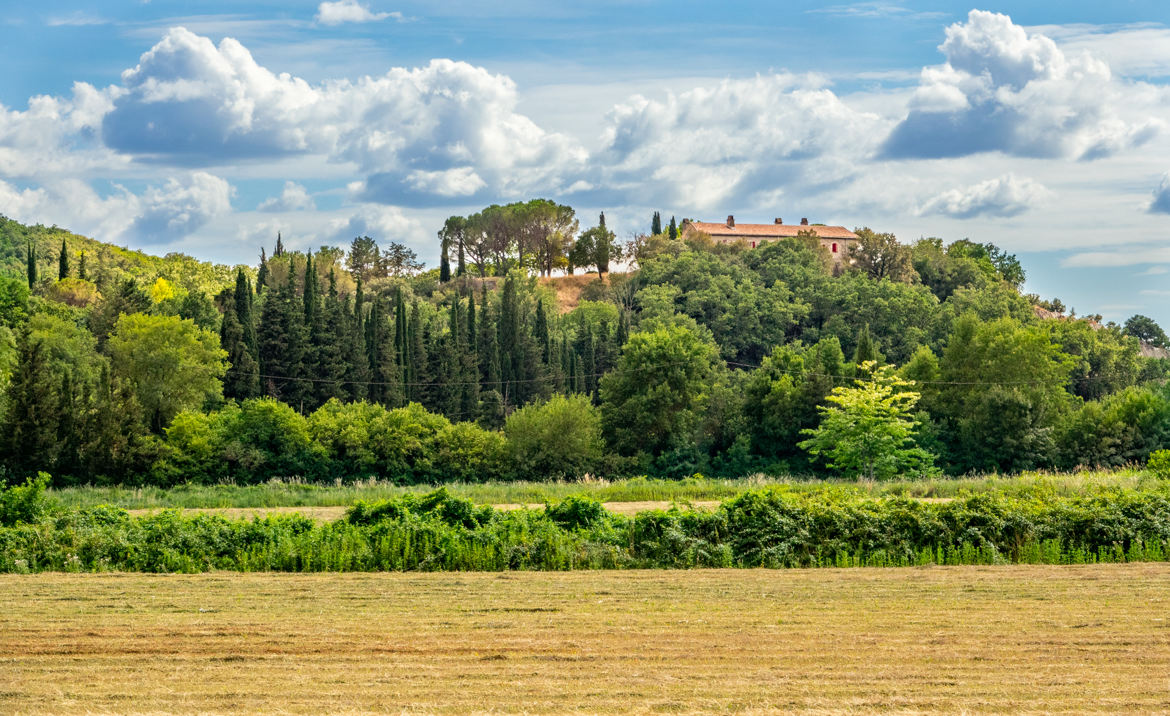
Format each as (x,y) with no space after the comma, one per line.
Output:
(1070,639)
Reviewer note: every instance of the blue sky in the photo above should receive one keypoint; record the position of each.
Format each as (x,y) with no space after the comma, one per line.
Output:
(1042,127)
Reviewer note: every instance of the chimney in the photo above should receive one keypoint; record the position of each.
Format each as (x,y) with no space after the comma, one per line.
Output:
(730,220)
(804,222)
(779,220)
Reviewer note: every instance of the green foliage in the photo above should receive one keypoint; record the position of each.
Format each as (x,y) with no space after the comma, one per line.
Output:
(172,364)
(653,400)
(1003,391)
(1159,463)
(13,302)
(24,504)
(560,438)
(1145,329)
(869,429)
(759,528)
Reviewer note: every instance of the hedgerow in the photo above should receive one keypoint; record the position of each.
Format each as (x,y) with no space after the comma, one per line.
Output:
(770,527)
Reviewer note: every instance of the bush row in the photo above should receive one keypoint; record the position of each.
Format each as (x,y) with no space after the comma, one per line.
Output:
(763,528)
(258,440)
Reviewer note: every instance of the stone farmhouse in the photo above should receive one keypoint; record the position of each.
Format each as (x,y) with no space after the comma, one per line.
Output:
(837,240)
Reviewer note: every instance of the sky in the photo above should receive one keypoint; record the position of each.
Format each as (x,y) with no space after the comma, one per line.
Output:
(1041,127)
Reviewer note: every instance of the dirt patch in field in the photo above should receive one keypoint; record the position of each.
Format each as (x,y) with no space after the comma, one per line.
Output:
(329,513)
(1021,639)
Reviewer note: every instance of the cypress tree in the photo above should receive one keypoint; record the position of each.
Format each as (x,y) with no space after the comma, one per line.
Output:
(81,272)
(461,266)
(63,262)
(444,263)
(419,380)
(30,253)
(262,274)
(243,377)
(358,373)
(540,331)
(509,328)
(325,322)
(866,350)
(279,250)
(656,224)
(243,301)
(489,349)
(673,228)
(282,344)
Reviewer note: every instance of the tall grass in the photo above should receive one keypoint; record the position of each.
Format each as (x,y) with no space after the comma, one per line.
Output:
(301,494)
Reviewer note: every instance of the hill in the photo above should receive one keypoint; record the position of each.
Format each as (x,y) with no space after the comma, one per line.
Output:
(105,264)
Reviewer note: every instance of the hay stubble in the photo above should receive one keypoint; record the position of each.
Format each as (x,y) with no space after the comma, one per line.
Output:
(1053,639)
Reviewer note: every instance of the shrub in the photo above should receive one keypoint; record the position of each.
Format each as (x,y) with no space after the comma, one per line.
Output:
(24,503)
(560,438)
(1159,463)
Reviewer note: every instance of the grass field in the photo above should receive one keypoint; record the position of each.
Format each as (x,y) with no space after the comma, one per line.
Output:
(297,494)
(956,639)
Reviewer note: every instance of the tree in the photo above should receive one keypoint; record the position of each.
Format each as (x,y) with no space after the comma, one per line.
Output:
(656,224)
(63,262)
(398,261)
(1145,329)
(170,363)
(673,231)
(364,260)
(30,253)
(654,399)
(595,247)
(881,256)
(558,439)
(262,273)
(82,272)
(453,234)
(868,430)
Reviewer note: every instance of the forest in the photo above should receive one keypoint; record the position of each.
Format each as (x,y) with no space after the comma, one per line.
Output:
(347,363)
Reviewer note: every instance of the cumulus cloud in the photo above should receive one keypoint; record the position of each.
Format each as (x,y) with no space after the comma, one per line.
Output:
(294,197)
(1002,89)
(1161,202)
(448,128)
(1007,195)
(180,206)
(57,135)
(386,223)
(161,214)
(738,138)
(336,13)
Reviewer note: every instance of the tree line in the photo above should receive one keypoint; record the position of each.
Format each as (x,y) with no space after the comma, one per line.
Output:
(711,358)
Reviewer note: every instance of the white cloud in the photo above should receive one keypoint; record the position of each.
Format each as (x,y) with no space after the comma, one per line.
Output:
(441,128)
(57,136)
(462,181)
(1002,89)
(384,223)
(162,214)
(737,139)
(1119,256)
(294,197)
(1161,202)
(336,13)
(1007,195)
(1140,50)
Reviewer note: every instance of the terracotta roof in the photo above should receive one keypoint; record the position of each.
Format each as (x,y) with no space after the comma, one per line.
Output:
(771,230)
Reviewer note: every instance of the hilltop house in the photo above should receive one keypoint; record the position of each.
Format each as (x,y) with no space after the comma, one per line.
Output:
(837,240)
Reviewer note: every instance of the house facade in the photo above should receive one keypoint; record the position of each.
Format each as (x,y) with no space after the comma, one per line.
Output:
(837,240)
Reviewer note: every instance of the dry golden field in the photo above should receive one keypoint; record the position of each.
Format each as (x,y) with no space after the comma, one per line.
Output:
(939,639)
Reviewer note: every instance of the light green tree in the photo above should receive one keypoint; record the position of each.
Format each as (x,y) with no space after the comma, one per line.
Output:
(171,363)
(868,430)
